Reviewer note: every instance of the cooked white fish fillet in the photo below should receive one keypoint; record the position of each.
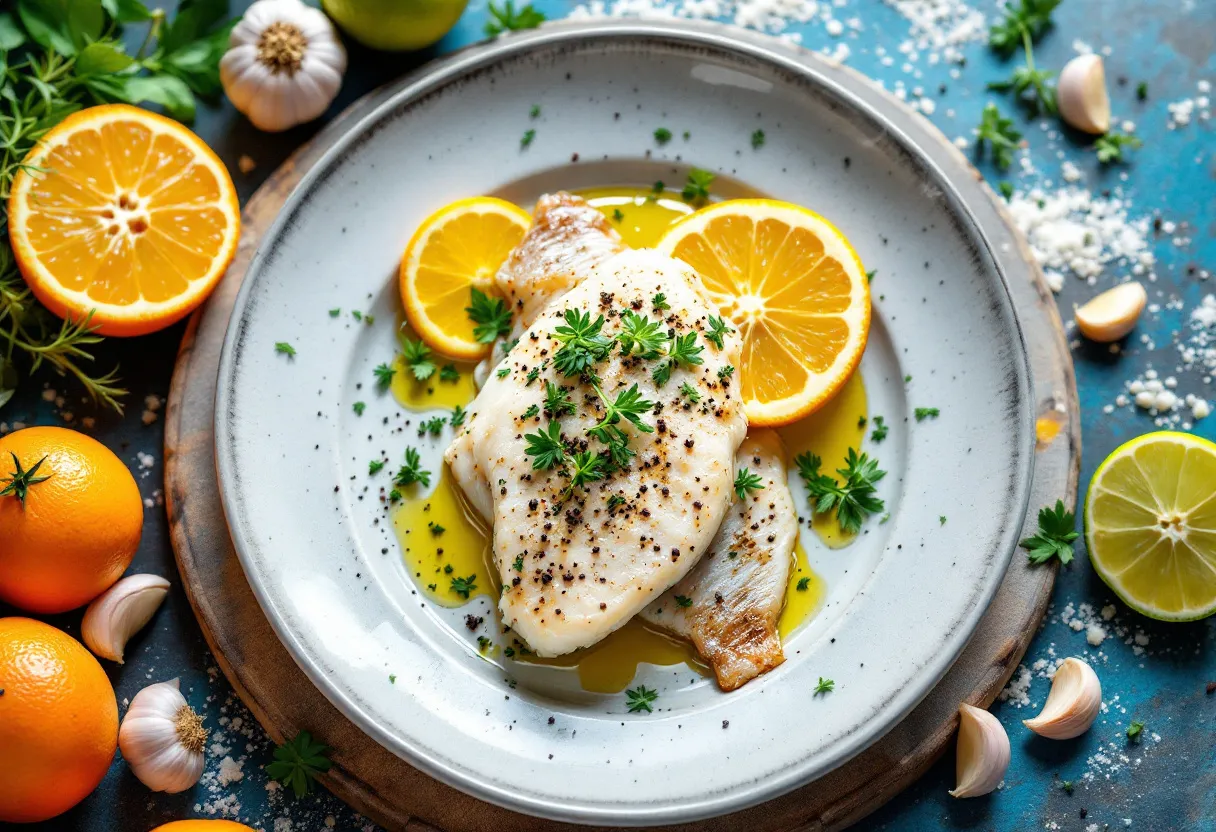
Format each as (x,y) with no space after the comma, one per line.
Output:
(730,603)
(578,561)
(568,238)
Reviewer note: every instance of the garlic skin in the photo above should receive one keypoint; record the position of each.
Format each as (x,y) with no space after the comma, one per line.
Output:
(162,739)
(284,64)
(120,612)
(982,753)
(1073,704)
(1111,315)
(1081,94)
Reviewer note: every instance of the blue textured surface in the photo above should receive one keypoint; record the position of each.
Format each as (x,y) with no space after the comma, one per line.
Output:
(1168,780)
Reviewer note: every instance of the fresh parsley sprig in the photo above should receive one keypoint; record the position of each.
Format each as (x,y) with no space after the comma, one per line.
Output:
(682,351)
(384,375)
(747,482)
(1110,147)
(628,405)
(582,343)
(417,357)
(696,189)
(297,763)
(1000,134)
(641,334)
(1057,531)
(557,402)
(717,330)
(854,498)
(506,18)
(491,316)
(545,447)
(412,471)
(640,699)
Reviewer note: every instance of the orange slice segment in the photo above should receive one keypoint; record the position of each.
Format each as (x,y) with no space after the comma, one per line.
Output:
(794,288)
(123,213)
(457,249)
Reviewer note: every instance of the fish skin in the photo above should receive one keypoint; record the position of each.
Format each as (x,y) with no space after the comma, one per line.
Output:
(736,603)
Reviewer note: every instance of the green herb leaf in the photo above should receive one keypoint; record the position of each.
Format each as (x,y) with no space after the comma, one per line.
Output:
(854,499)
(880,429)
(582,344)
(458,414)
(1024,22)
(359,407)
(375,467)
(690,393)
(545,447)
(662,135)
(1006,189)
(640,699)
(683,600)
(1000,135)
(526,139)
(533,410)
(102,58)
(384,376)
(284,348)
(1110,147)
(824,686)
(464,587)
(418,358)
(297,763)
(659,302)
(802,585)
(557,402)
(492,317)
(1135,730)
(412,471)
(505,18)
(696,189)
(448,372)
(717,332)
(1057,531)
(585,467)
(641,334)
(757,140)
(747,482)
(923,413)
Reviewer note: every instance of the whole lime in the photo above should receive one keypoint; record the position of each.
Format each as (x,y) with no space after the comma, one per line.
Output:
(395,24)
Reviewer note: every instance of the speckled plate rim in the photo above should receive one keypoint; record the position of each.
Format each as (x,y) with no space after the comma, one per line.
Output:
(809,68)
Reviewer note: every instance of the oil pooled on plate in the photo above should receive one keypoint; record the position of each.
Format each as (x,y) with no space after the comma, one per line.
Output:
(447,545)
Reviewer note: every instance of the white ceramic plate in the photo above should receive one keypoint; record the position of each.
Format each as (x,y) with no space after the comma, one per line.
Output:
(292,455)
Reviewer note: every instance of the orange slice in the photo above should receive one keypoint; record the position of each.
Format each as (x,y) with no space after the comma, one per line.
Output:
(126,214)
(457,249)
(794,288)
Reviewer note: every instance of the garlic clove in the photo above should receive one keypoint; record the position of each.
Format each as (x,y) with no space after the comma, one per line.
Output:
(1081,94)
(120,612)
(982,753)
(1112,314)
(1073,704)
(162,739)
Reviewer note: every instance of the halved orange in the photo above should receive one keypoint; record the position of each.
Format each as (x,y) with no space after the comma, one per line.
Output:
(794,288)
(124,213)
(457,249)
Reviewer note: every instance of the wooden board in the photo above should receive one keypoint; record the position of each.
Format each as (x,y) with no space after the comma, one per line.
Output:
(388,790)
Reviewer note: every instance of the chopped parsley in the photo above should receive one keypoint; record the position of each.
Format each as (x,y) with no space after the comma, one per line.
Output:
(659,302)
(824,685)
(1135,730)
(1006,189)
(464,587)
(435,528)
(545,447)
(854,500)
(1057,531)
(526,139)
(375,467)
(640,699)
(757,140)
(662,135)
(1142,90)
(802,584)
(432,426)
(696,189)
(492,317)
(941,520)
(333,313)
(717,330)
(448,372)
(394,496)
(534,112)
(384,375)
(284,348)
(458,414)
(1000,134)
(503,372)
(1110,146)
(690,393)
(656,191)
(532,410)
(615,501)
(923,413)
(418,358)
(617,215)
(870,275)
(518,563)
(412,471)
(746,482)
(532,376)
(483,643)
(683,600)
(358,407)
(356,314)
(726,372)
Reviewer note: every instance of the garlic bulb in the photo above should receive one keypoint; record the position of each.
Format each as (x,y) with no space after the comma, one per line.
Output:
(284,64)
(162,739)
(982,754)
(1073,704)
(1081,94)
(120,612)
(1112,314)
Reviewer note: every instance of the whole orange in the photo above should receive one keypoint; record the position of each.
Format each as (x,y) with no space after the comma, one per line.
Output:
(58,721)
(68,529)
(203,826)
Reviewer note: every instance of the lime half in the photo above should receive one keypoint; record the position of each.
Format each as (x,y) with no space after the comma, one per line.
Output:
(1150,524)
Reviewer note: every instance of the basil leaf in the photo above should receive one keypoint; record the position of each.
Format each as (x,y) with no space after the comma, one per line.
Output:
(165,90)
(11,36)
(102,58)
(193,19)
